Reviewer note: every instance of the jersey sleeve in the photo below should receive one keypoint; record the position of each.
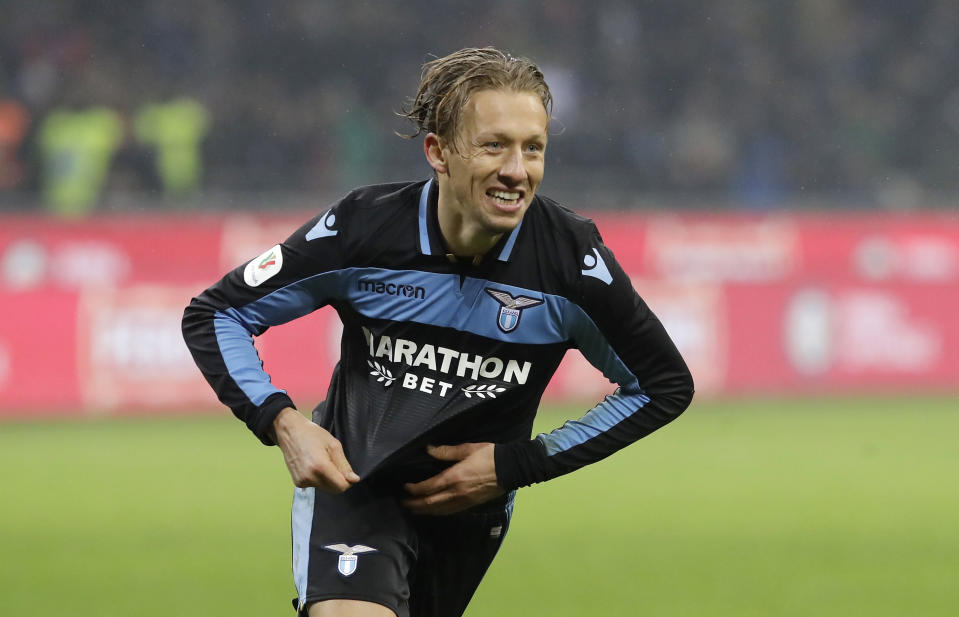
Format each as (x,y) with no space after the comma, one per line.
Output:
(616,331)
(285,282)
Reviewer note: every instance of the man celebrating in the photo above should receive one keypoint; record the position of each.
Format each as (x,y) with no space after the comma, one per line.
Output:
(459,296)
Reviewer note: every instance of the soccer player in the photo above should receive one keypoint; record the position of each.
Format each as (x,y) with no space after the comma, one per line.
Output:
(459,296)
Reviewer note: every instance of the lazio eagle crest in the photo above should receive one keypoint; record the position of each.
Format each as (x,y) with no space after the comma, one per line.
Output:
(348,556)
(511,308)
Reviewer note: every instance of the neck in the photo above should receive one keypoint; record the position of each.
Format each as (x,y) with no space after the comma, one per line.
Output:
(464,236)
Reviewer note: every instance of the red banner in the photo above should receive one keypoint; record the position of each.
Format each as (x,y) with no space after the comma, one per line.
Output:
(783,303)
(834,336)
(920,247)
(38,351)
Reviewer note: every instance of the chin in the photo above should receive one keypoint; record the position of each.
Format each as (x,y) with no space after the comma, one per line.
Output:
(503,224)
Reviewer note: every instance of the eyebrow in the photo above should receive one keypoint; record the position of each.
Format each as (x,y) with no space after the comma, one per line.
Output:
(487,135)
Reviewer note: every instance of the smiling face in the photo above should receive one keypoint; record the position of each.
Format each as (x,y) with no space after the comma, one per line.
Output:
(487,182)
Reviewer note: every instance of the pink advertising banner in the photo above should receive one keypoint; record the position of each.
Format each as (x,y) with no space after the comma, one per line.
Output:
(757,304)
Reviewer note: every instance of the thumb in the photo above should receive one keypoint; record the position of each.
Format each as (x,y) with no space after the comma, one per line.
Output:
(450,453)
(339,461)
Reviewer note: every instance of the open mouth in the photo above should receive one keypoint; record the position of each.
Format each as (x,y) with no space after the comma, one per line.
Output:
(505,198)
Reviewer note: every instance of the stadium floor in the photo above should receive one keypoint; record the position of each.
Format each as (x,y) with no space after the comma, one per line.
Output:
(825,507)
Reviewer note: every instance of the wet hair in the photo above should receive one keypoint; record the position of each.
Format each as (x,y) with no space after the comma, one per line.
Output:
(447,84)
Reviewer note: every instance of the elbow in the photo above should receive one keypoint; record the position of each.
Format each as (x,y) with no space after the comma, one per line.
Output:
(189,319)
(686,393)
(193,325)
(680,392)
(684,387)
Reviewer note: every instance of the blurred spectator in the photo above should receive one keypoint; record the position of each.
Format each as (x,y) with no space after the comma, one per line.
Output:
(14,122)
(174,130)
(725,102)
(77,146)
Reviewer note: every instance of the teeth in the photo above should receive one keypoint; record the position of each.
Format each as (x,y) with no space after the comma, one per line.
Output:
(505,196)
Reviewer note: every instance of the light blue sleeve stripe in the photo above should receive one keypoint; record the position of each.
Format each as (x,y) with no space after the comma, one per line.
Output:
(235,327)
(626,401)
(596,349)
(283,305)
(241,360)
(616,408)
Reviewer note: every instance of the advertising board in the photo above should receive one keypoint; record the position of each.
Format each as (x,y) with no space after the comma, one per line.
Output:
(756,303)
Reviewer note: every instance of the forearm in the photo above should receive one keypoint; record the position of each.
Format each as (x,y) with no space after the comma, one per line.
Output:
(286,282)
(584,441)
(223,350)
(655,388)
(616,331)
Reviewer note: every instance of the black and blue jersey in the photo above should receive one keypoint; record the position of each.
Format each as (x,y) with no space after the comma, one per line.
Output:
(441,350)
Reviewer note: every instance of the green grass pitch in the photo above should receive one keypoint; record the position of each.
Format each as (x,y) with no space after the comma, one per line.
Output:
(819,507)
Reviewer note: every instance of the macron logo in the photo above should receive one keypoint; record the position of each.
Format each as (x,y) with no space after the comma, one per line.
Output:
(391,289)
(324,228)
(594,266)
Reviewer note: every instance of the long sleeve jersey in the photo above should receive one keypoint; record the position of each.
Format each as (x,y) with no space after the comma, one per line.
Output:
(440,350)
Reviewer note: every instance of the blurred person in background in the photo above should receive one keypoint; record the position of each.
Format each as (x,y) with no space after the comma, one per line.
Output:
(77,145)
(174,130)
(14,123)
(832,102)
(459,296)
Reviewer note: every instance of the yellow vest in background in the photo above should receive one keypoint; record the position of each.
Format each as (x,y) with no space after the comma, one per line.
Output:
(175,130)
(77,148)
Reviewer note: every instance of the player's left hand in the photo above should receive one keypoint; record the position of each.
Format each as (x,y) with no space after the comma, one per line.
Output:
(470,481)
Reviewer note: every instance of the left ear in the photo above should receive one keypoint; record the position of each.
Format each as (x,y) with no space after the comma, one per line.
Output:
(435,153)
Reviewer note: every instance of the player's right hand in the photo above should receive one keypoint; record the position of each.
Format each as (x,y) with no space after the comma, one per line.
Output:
(313,456)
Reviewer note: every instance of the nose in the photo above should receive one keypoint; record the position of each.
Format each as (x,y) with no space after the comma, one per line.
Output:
(512,168)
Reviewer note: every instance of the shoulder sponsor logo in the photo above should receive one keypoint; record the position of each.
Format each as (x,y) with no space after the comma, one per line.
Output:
(511,308)
(263,267)
(348,556)
(325,228)
(390,288)
(594,266)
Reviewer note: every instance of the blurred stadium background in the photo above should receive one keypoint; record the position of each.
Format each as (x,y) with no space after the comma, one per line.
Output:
(781,180)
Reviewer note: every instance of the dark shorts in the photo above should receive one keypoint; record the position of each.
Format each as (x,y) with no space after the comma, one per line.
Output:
(364,545)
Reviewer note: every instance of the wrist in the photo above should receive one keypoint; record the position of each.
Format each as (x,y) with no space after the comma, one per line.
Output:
(261,423)
(519,464)
(284,422)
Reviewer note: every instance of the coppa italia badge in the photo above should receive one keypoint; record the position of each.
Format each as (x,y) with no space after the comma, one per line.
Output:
(263,267)
(511,308)
(266,262)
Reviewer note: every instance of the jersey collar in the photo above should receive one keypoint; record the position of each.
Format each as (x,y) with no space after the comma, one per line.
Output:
(430,241)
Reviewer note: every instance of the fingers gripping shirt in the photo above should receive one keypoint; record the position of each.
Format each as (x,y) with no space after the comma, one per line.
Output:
(439,350)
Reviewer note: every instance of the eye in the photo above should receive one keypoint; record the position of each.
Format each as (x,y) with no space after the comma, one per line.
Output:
(492,145)
(534,148)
